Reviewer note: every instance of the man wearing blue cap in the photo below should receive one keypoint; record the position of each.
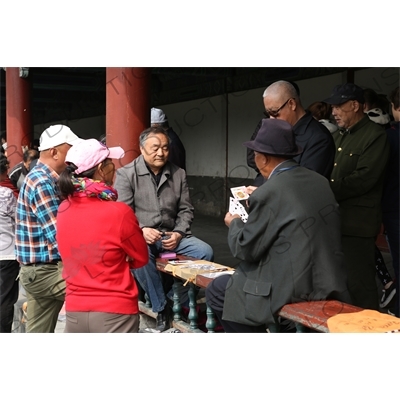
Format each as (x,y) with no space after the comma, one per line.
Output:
(357,180)
(289,248)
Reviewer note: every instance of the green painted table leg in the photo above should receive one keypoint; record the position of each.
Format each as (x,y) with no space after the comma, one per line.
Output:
(211,321)
(192,307)
(177,308)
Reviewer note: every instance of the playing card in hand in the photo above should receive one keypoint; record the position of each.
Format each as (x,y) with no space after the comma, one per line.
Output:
(233,204)
(236,208)
(239,193)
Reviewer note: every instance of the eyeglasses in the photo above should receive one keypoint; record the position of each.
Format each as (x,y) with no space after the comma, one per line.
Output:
(275,113)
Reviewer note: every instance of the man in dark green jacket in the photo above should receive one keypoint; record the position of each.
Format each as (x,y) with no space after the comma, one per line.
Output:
(357,179)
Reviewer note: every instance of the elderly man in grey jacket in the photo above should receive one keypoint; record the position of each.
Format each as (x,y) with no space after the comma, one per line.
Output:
(158,193)
(290,248)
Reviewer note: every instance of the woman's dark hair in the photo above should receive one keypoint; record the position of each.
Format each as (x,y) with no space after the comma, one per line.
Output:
(320,110)
(65,180)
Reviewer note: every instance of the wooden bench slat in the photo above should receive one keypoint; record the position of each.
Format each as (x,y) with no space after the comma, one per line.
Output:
(314,314)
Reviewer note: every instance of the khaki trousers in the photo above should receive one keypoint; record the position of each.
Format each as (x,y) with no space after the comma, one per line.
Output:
(45,293)
(101,322)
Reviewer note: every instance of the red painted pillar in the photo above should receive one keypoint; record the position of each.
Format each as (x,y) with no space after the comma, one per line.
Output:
(18,114)
(127,109)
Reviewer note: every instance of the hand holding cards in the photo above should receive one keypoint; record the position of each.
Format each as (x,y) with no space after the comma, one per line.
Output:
(236,208)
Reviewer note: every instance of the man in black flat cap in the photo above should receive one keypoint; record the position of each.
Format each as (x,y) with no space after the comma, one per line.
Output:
(357,180)
(289,248)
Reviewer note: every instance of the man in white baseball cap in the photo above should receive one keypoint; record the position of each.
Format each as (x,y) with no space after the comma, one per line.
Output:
(56,135)
(36,245)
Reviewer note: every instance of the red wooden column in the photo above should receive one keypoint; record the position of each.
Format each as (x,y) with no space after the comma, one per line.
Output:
(127,109)
(18,114)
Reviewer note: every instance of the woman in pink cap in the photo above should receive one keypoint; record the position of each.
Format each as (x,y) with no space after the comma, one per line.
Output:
(99,240)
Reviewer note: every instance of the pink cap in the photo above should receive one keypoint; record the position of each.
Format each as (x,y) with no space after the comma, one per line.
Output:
(89,153)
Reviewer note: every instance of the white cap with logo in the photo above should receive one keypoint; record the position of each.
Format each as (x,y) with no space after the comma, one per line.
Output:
(56,135)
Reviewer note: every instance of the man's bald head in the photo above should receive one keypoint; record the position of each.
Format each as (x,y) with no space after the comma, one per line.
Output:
(281,101)
(281,88)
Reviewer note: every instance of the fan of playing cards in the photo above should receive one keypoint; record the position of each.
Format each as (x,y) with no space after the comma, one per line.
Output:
(235,207)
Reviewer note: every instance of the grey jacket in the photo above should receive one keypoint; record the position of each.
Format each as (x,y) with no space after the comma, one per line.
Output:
(290,247)
(166,207)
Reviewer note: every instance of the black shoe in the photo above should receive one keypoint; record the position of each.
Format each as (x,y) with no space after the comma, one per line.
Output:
(162,321)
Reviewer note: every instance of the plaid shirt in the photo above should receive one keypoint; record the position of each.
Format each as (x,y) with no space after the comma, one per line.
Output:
(38,201)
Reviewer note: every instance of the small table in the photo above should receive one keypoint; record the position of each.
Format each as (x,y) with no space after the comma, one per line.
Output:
(200,281)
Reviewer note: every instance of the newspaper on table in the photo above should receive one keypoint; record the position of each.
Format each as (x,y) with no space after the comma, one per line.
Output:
(189,269)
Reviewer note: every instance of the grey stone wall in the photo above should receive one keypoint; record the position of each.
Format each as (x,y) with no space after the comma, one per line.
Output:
(210,195)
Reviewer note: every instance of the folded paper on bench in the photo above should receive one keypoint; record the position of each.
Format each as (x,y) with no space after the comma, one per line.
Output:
(366,321)
(191,269)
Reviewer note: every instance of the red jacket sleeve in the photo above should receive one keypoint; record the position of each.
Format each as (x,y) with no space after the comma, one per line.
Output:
(132,240)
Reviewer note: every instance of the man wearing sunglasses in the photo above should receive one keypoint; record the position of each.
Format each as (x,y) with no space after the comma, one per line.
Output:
(282,101)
